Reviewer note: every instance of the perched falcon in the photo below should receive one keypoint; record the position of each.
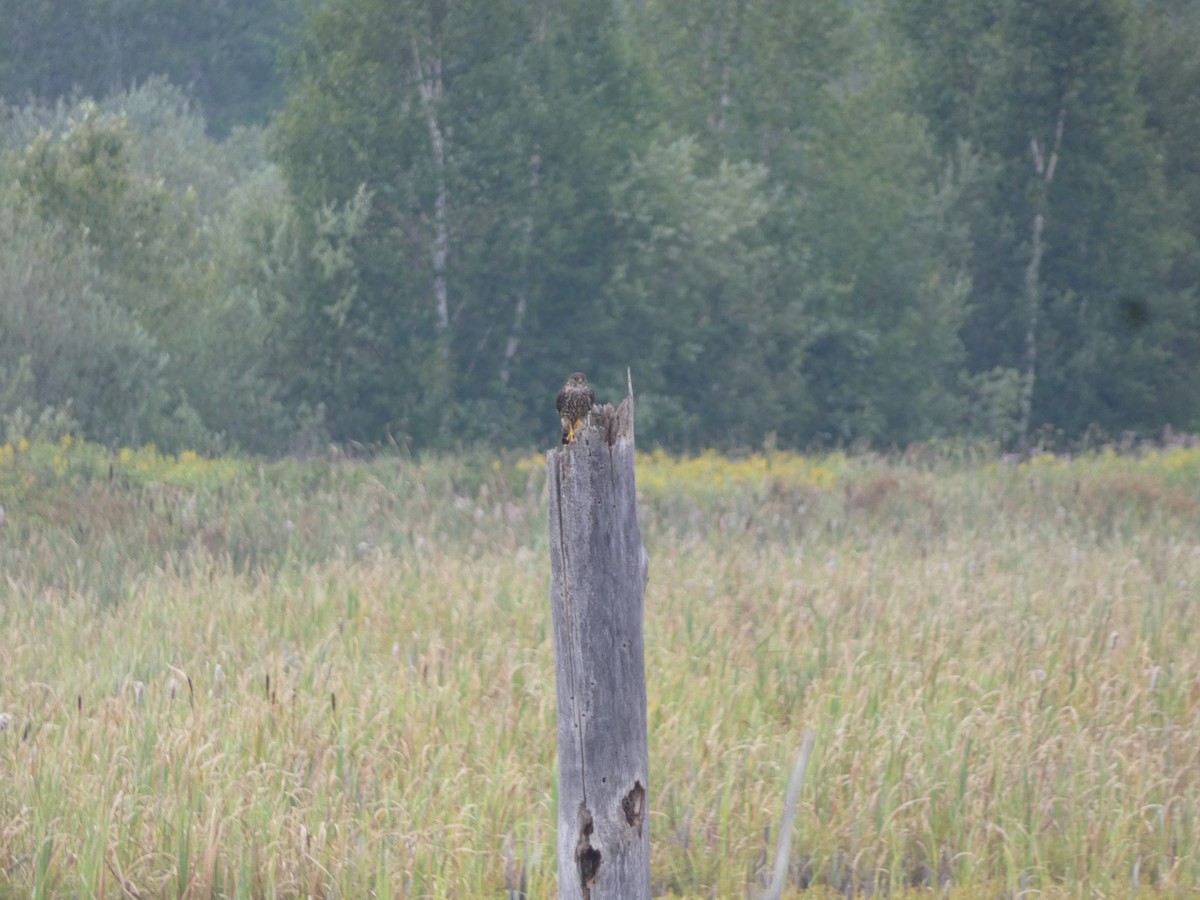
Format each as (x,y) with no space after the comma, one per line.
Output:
(575,399)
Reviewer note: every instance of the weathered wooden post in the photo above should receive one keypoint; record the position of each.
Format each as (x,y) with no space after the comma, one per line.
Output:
(598,570)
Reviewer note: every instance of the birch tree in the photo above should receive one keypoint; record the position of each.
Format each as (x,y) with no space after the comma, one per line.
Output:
(1070,242)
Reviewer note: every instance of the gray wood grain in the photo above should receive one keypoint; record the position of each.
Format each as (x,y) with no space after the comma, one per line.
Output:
(598,576)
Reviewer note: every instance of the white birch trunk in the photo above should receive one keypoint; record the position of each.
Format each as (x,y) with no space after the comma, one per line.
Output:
(429,85)
(1044,168)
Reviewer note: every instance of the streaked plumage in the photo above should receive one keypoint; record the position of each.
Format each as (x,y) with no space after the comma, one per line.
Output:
(574,402)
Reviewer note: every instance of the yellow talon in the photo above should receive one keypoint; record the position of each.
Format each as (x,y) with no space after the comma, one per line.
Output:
(569,437)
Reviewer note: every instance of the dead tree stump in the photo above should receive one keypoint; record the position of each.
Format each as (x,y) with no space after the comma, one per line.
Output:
(598,570)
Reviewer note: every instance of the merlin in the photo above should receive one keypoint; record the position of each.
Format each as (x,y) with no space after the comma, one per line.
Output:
(575,399)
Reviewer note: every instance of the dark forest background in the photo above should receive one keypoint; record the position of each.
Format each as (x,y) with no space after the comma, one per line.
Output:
(268,225)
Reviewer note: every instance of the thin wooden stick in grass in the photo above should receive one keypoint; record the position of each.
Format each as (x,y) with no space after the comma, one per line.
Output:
(597,587)
(783,848)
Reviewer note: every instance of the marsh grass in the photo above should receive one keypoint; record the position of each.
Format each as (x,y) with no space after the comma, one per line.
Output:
(227,678)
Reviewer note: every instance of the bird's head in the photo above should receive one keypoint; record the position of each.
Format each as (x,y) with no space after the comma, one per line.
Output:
(577,379)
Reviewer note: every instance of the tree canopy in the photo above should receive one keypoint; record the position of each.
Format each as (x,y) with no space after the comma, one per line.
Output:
(280,223)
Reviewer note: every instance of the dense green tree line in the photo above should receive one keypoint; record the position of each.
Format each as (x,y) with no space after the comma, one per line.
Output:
(222,54)
(797,223)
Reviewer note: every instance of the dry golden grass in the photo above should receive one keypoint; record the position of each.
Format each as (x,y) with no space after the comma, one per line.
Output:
(336,679)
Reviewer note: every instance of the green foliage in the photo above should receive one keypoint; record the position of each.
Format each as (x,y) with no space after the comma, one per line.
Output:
(1007,77)
(66,345)
(360,317)
(487,136)
(1168,85)
(697,283)
(994,405)
(887,255)
(804,223)
(83,178)
(141,223)
(751,76)
(223,52)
